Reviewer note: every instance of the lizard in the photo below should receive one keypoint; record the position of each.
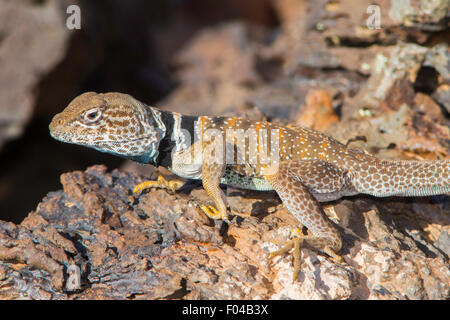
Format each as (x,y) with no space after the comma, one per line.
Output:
(306,167)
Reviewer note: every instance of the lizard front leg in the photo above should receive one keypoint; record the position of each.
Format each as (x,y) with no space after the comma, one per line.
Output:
(213,169)
(161,183)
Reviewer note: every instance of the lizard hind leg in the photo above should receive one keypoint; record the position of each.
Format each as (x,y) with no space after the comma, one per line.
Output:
(302,204)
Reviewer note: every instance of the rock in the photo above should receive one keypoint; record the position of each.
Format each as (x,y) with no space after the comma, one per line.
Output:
(442,96)
(401,81)
(94,240)
(401,71)
(33,38)
(349,23)
(402,63)
(429,16)
(231,65)
(318,112)
(425,104)
(225,58)
(443,242)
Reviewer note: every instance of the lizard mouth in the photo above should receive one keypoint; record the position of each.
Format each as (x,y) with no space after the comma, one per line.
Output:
(93,141)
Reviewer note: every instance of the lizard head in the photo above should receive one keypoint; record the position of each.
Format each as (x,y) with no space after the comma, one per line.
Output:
(115,123)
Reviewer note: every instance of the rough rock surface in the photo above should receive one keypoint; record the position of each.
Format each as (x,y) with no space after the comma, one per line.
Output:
(159,246)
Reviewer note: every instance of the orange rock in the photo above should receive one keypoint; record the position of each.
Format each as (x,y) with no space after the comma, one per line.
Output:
(318,112)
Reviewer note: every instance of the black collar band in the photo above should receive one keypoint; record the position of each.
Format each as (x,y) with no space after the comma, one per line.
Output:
(167,143)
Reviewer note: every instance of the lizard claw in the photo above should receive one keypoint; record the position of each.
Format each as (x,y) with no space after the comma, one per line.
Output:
(214,214)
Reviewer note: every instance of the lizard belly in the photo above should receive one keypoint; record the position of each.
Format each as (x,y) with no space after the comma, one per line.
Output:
(234,179)
(188,171)
(186,164)
(230,178)
(191,168)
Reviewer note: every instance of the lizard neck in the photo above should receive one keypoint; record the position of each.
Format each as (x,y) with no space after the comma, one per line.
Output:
(179,134)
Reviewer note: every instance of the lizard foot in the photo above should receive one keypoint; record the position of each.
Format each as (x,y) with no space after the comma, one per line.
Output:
(160,183)
(287,246)
(296,241)
(213,213)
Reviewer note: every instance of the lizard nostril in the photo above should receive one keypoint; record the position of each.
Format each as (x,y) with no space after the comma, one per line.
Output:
(60,122)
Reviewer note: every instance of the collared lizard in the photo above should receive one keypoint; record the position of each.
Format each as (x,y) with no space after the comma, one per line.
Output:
(302,165)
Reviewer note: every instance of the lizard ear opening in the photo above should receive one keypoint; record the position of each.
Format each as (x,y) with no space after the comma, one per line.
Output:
(92,115)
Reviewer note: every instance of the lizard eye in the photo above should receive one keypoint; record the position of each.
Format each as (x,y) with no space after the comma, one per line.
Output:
(92,115)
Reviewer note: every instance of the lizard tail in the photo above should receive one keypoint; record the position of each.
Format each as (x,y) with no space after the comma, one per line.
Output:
(383,178)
